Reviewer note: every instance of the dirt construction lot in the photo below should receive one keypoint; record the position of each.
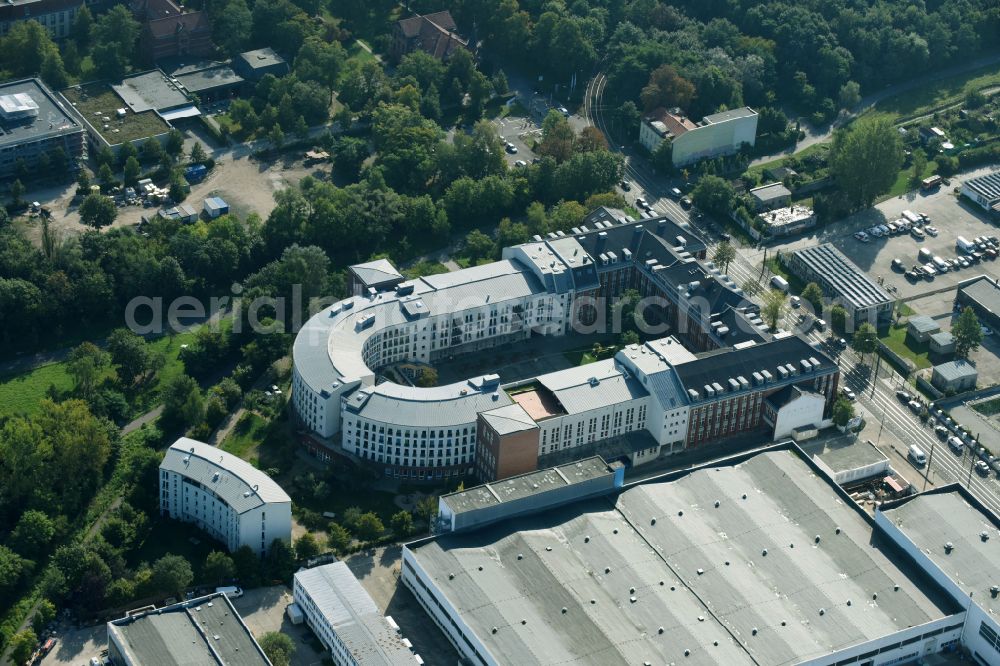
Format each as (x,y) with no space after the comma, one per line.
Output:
(951,216)
(248,185)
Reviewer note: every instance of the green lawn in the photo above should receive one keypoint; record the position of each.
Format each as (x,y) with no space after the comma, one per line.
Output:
(761,168)
(925,99)
(21,394)
(895,339)
(244,439)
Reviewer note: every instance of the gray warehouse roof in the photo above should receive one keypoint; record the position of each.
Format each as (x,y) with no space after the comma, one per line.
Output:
(924,324)
(523,485)
(376,272)
(348,608)
(933,519)
(201,631)
(843,275)
(265,57)
(238,483)
(150,90)
(660,570)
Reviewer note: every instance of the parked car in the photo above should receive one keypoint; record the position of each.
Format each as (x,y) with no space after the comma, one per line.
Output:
(640,203)
(917,233)
(897,265)
(931,231)
(563,110)
(982,468)
(511,148)
(795,301)
(627,186)
(685,202)
(954,443)
(941,432)
(986,330)
(861,236)
(914,406)
(520,163)
(676,193)
(903,396)
(848,393)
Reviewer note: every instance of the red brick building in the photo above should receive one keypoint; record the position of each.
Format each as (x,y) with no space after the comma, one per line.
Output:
(435,34)
(169,31)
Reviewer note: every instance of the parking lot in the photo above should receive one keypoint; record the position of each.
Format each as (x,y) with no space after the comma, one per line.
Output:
(951,217)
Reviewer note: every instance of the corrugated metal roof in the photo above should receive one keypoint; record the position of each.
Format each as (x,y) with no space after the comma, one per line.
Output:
(842,276)
(595,581)
(931,520)
(437,407)
(509,419)
(353,615)
(238,483)
(376,272)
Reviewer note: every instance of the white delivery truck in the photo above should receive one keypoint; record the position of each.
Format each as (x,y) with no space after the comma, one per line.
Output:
(780,283)
(965,245)
(912,217)
(917,455)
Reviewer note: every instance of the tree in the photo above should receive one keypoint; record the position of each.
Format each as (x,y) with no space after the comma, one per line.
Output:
(557,137)
(278,647)
(22,644)
(183,405)
(774,301)
(280,561)
(918,167)
(667,88)
(33,534)
(306,547)
(129,353)
(843,412)
(86,364)
(17,190)
(813,294)
(175,143)
(369,526)
(83,26)
(171,575)
(54,71)
(968,333)
(723,255)
(219,568)
(402,523)
(865,340)
(714,195)
(838,318)
(247,566)
(115,36)
(232,26)
(277,137)
(338,538)
(198,155)
(105,175)
(427,509)
(663,156)
(751,287)
(427,377)
(849,95)
(866,159)
(132,172)
(478,245)
(98,210)
(151,151)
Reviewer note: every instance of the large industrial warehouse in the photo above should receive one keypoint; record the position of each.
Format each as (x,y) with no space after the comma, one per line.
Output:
(756,560)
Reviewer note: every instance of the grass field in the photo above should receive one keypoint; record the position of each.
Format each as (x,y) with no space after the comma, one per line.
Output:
(246,437)
(21,394)
(895,339)
(928,98)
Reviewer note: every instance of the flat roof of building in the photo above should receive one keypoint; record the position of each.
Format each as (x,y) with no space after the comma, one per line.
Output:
(525,485)
(207,630)
(923,324)
(732,114)
(843,275)
(241,485)
(98,104)
(152,90)
(783,217)
(50,120)
(932,519)
(208,79)
(352,613)
(744,582)
(842,457)
(770,192)
(985,292)
(264,57)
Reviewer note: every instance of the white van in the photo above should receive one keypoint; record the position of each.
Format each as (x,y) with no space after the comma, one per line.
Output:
(917,455)
(940,264)
(912,217)
(232,592)
(779,283)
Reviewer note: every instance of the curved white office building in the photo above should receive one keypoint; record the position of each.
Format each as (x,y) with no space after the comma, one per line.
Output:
(227,497)
(632,405)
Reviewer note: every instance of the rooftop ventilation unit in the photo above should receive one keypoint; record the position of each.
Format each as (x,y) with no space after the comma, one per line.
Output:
(743,382)
(806,365)
(718,388)
(693,394)
(709,391)
(733,385)
(768,377)
(723,331)
(783,372)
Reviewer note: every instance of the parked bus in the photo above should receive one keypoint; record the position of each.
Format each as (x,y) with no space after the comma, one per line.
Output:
(930,182)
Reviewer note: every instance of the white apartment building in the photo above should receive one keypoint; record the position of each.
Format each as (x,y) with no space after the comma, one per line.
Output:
(227,497)
(346,620)
(722,133)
